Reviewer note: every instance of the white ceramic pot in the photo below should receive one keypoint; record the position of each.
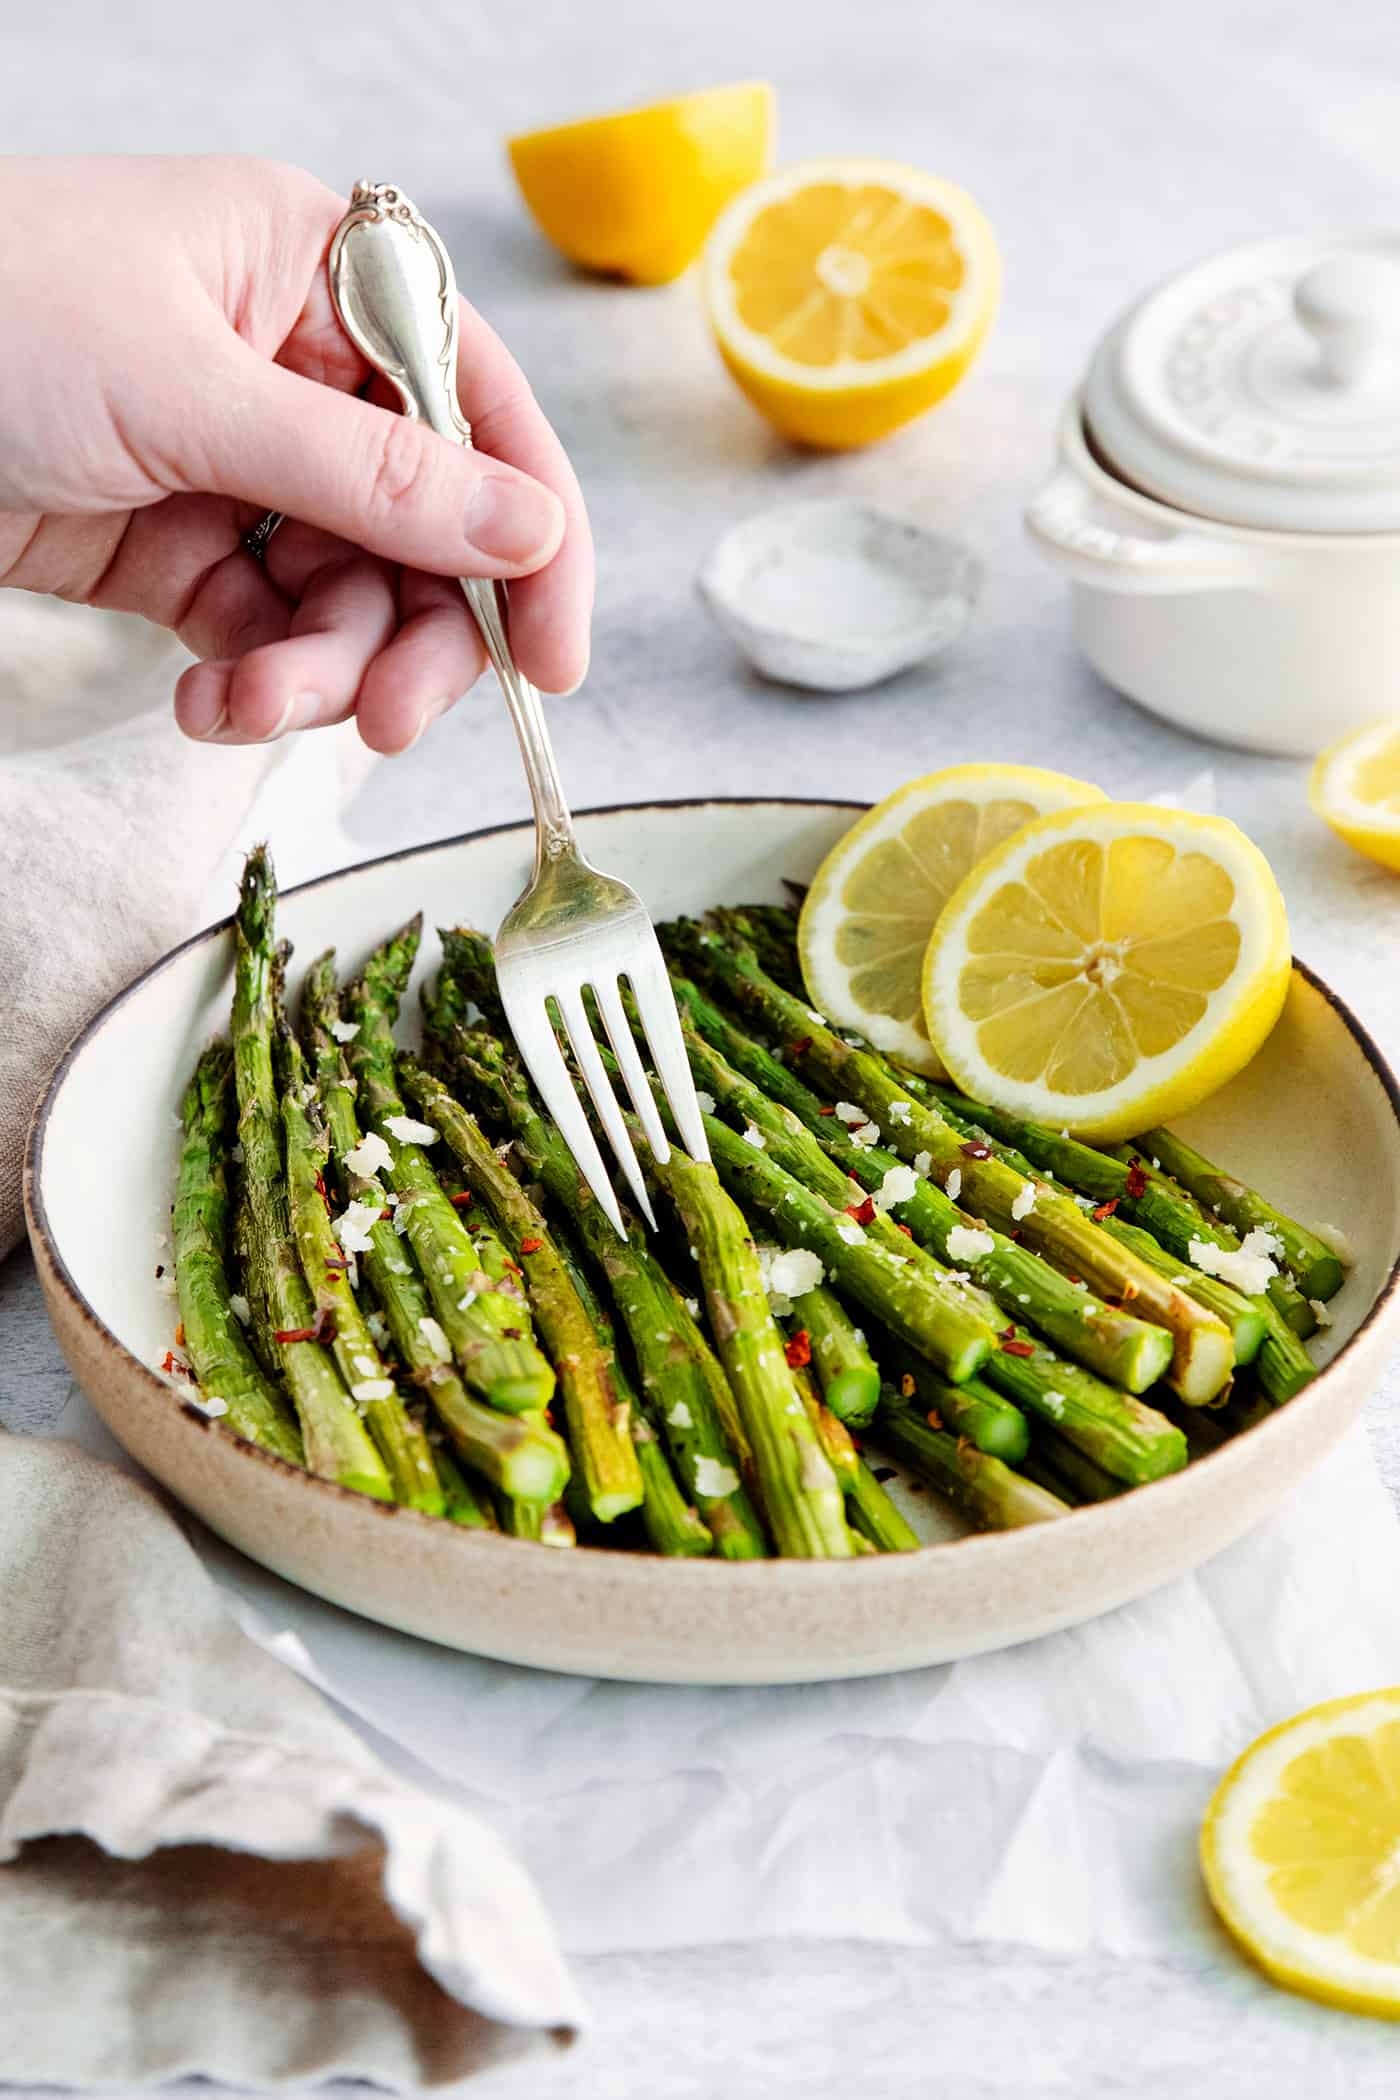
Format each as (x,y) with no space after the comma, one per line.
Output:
(1226,500)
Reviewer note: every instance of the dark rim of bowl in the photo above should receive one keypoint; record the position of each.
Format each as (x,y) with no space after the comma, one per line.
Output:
(160,1388)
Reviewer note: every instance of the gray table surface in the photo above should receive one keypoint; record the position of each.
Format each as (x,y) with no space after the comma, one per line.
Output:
(1109,146)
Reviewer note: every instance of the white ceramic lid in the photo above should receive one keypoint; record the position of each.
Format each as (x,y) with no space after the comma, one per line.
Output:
(1262,387)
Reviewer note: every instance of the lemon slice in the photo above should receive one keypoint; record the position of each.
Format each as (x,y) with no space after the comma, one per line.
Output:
(867,918)
(1108,967)
(1356,788)
(1301,1852)
(635,194)
(849,295)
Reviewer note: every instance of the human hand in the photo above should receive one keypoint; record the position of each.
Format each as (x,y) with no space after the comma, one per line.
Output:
(171,368)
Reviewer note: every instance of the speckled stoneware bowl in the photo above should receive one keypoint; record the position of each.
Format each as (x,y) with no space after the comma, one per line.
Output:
(1315,1121)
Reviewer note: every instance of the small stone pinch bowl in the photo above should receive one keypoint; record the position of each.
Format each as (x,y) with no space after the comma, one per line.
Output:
(834,596)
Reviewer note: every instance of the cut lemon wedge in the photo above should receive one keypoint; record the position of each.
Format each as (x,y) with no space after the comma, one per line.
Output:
(1301,1852)
(868,916)
(1356,788)
(849,295)
(634,195)
(1108,967)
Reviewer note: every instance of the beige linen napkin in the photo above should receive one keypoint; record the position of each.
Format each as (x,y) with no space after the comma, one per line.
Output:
(111,825)
(202,1870)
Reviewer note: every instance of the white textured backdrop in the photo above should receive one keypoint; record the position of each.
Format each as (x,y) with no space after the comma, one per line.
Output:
(1109,145)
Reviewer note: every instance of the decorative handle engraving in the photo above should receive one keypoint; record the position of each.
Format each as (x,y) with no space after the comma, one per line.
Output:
(395,292)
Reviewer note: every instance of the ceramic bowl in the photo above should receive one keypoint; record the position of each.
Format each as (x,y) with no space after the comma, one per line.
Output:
(1315,1121)
(832,596)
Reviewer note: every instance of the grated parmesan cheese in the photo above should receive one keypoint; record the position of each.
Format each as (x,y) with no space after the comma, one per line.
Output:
(704,1102)
(373,1389)
(370,1157)
(969,1243)
(787,1272)
(923,1161)
(680,1416)
(1320,1312)
(1336,1242)
(434,1337)
(900,1185)
(1250,1268)
(901,1111)
(345,1031)
(409,1131)
(352,1227)
(849,1113)
(714,1480)
(754,1136)
(1023,1202)
(240,1308)
(952,1187)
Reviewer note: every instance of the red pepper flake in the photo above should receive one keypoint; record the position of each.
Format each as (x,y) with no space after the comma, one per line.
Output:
(385,1214)
(1105,1210)
(1018,1348)
(799,1350)
(1075,1280)
(337,1265)
(826,1111)
(907,1386)
(531,1246)
(512,1334)
(180,1336)
(1007,1333)
(902,1228)
(513,1268)
(462,1200)
(975,1149)
(323,1331)
(1136,1183)
(863,1213)
(934,1418)
(797,1049)
(321,1190)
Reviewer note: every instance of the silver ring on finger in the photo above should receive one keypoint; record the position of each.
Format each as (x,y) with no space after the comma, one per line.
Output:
(255,539)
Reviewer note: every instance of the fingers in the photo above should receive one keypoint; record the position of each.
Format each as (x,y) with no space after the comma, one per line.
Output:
(552,609)
(386,483)
(305,681)
(432,660)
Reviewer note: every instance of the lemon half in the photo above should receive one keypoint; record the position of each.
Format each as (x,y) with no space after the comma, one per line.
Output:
(634,195)
(1356,788)
(847,296)
(1108,967)
(868,915)
(1301,1852)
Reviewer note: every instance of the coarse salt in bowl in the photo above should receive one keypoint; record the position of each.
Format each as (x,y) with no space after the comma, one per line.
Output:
(833,596)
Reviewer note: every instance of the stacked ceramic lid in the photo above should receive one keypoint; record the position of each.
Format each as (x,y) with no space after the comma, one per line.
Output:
(1261,388)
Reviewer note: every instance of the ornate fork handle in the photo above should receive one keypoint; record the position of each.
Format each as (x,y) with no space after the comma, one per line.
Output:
(394,289)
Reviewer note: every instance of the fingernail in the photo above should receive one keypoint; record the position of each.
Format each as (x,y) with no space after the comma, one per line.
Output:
(513,520)
(203,711)
(299,713)
(431,713)
(569,690)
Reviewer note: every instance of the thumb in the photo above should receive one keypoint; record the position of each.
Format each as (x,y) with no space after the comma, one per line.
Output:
(378,479)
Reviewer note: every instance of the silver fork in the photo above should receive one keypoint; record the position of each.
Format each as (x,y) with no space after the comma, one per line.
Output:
(572,929)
